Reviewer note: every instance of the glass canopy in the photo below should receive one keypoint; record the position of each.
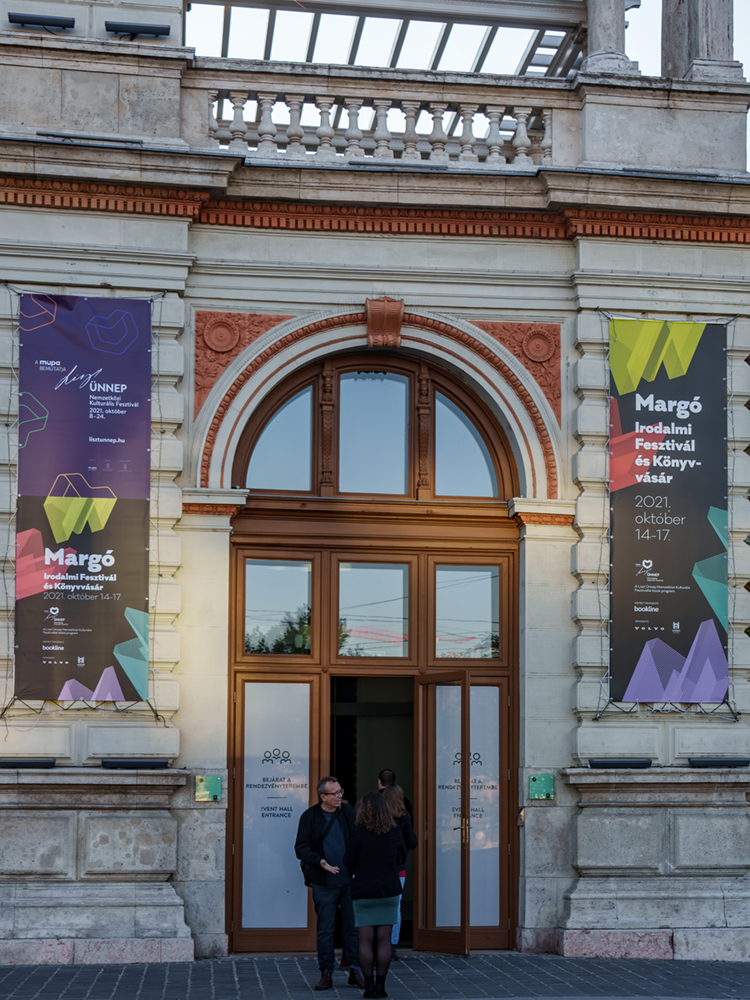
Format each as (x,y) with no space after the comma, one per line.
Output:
(352,35)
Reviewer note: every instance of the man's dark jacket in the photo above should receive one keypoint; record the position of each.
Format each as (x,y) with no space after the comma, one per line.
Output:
(310,847)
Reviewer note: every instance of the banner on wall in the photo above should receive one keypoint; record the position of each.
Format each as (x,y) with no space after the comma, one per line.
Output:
(668,501)
(82,520)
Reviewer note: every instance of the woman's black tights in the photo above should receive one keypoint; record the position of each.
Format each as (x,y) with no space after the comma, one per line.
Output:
(375,950)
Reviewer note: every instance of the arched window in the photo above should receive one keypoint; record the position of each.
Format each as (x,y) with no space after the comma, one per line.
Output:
(282,456)
(367,425)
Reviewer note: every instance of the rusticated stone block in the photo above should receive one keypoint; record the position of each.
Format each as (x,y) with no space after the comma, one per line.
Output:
(616,944)
(44,952)
(129,844)
(538,940)
(211,945)
(712,944)
(116,951)
(37,843)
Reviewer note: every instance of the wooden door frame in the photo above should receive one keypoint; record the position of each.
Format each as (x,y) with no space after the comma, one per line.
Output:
(269,939)
(433,938)
(449,531)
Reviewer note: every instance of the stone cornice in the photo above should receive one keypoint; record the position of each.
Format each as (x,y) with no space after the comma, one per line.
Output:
(127,198)
(526,511)
(198,206)
(677,786)
(528,517)
(213,502)
(212,509)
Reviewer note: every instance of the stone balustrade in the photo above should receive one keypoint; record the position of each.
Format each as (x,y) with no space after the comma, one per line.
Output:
(370,117)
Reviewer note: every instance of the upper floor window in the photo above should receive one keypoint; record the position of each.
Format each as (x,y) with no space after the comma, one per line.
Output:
(358,426)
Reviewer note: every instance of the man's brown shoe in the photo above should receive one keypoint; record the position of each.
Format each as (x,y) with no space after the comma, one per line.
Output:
(326,980)
(356,979)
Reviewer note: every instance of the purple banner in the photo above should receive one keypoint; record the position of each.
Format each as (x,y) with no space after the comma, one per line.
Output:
(83,496)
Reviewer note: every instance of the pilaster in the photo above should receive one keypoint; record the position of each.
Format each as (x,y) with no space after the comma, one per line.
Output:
(204,529)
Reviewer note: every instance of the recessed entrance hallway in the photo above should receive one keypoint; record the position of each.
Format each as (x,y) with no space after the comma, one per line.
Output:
(372,728)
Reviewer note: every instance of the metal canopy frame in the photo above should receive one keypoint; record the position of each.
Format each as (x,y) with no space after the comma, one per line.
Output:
(553,51)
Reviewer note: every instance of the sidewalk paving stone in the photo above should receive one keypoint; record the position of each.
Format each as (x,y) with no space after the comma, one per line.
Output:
(418,976)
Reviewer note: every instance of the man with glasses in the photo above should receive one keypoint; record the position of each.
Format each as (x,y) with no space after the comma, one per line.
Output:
(322,837)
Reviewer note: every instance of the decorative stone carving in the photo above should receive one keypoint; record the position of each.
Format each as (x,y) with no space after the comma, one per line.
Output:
(532,517)
(569,224)
(410,319)
(222,333)
(212,509)
(384,318)
(219,338)
(327,405)
(537,347)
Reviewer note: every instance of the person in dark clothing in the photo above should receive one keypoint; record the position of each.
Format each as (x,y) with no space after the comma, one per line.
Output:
(322,836)
(394,799)
(373,856)
(388,777)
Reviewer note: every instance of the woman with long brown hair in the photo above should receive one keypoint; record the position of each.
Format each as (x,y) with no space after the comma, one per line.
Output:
(373,856)
(394,799)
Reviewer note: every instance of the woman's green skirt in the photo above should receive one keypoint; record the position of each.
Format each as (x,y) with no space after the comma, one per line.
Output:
(375,912)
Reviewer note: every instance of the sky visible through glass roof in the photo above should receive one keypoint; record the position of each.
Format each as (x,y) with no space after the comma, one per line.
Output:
(248,28)
(298,36)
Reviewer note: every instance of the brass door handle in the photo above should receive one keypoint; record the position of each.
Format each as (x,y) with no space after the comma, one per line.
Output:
(464,830)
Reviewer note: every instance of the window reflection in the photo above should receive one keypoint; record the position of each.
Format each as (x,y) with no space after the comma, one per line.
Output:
(467,617)
(373,609)
(277,606)
(463,466)
(373,433)
(282,457)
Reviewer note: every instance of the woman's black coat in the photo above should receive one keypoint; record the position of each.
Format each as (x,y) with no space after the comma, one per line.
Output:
(373,861)
(410,837)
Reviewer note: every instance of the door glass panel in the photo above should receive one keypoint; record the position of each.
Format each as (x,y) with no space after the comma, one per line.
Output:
(373,609)
(277,768)
(282,457)
(463,466)
(373,433)
(484,793)
(277,606)
(467,612)
(447,805)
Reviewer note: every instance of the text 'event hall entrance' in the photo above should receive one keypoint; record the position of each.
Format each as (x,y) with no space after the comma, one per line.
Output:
(374,625)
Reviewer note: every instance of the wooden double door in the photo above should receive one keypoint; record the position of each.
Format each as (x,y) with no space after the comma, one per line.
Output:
(339,624)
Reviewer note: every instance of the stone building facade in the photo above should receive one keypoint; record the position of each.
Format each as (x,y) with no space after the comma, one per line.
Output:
(485,261)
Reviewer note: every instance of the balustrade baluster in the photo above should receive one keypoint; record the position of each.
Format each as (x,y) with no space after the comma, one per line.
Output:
(353,134)
(411,138)
(266,128)
(521,141)
(295,133)
(325,131)
(382,134)
(547,140)
(494,138)
(467,137)
(238,128)
(213,125)
(437,138)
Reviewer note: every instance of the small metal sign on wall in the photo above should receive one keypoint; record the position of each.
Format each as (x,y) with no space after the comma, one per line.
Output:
(669,517)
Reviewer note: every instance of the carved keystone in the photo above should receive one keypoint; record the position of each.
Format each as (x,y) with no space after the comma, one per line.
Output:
(384,318)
